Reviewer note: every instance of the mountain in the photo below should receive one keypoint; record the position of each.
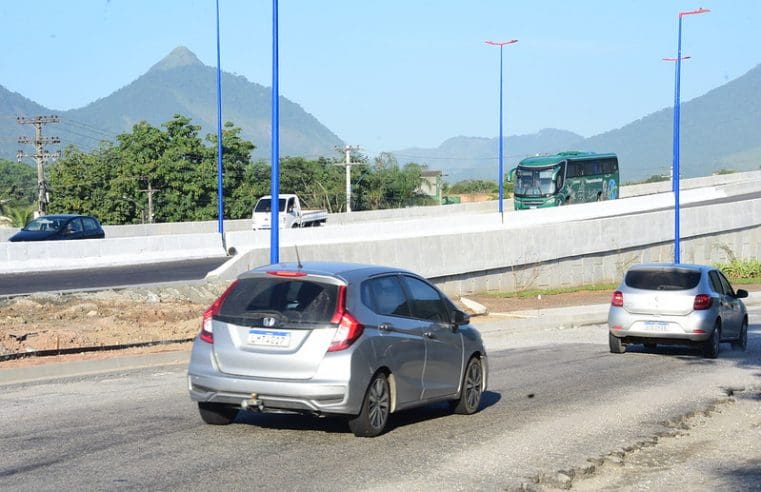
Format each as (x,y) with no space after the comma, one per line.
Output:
(13,105)
(478,158)
(719,130)
(180,83)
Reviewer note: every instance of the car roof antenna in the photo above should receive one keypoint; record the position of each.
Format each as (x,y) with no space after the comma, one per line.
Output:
(298,258)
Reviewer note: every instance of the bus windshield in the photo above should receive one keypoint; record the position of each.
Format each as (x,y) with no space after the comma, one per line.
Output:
(535,181)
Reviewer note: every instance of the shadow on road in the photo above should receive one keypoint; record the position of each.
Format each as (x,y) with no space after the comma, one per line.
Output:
(693,354)
(338,425)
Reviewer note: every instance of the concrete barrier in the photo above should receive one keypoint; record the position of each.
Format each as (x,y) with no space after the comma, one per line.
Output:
(88,253)
(749,179)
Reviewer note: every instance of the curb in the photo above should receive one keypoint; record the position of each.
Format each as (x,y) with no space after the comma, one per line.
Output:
(59,370)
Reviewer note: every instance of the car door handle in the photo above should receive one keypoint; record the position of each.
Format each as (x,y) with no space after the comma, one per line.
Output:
(385,327)
(429,334)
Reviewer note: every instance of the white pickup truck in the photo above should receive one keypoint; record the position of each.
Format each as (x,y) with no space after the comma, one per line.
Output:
(290,213)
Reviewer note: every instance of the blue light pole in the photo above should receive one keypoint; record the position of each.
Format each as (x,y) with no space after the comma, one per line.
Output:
(220,189)
(675,165)
(501,179)
(275,180)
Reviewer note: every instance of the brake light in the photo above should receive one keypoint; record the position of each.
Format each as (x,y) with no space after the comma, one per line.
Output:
(702,302)
(207,334)
(349,329)
(286,273)
(618,299)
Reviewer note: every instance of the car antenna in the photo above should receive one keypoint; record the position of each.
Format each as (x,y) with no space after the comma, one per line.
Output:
(298,258)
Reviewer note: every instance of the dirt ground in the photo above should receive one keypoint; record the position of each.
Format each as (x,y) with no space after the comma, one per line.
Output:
(115,317)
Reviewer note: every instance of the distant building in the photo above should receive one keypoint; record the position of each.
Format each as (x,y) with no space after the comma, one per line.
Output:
(431,184)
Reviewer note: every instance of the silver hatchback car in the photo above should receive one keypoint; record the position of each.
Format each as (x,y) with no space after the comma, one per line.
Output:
(677,304)
(359,341)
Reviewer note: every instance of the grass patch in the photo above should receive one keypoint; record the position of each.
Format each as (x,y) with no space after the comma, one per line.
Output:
(549,292)
(744,281)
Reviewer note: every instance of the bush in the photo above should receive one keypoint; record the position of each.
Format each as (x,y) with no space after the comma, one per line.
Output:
(741,268)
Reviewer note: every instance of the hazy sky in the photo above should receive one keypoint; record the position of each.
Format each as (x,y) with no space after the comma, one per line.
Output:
(397,73)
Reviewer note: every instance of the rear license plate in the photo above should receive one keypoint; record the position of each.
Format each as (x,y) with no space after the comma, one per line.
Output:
(269,338)
(659,326)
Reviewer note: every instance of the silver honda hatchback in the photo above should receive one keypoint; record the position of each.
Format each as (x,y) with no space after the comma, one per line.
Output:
(677,304)
(359,341)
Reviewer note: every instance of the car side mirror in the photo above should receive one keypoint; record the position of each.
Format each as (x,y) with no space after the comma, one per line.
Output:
(741,294)
(459,318)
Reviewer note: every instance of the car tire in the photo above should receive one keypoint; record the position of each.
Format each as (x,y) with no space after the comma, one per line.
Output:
(376,407)
(472,388)
(711,346)
(742,341)
(616,345)
(217,413)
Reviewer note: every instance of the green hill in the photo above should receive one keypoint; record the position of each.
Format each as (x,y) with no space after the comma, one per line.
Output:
(180,83)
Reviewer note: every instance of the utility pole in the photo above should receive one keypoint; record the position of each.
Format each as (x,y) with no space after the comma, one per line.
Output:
(150,190)
(40,155)
(347,151)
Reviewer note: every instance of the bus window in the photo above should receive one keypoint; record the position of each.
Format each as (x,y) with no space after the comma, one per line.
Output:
(574,170)
(592,168)
(609,166)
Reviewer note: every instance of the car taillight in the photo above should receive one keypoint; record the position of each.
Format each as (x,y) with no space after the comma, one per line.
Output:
(349,329)
(618,299)
(702,302)
(207,334)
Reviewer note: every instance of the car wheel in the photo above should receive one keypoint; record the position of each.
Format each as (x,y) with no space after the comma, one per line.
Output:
(472,388)
(742,341)
(616,345)
(711,346)
(217,413)
(376,407)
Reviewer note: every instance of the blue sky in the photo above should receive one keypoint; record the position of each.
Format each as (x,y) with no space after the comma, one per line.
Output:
(390,74)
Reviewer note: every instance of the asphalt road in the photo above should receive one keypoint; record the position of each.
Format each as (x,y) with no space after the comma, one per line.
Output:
(557,398)
(151,273)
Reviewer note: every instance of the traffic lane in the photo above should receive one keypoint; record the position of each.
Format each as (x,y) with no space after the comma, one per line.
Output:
(119,276)
(550,406)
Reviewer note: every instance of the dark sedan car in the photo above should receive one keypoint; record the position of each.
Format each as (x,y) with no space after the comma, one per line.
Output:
(63,226)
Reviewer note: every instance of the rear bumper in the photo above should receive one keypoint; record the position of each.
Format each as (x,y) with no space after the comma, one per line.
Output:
(696,327)
(319,395)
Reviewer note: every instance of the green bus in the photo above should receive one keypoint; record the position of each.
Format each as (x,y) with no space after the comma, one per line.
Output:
(564,178)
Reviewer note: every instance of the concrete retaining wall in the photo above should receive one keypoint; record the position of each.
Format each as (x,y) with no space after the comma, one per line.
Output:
(563,253)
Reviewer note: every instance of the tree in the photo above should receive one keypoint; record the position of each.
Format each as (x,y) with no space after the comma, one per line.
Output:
(474,186)
(173,164)
(18,184)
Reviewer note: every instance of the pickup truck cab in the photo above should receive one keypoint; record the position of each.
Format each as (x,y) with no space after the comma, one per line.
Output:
(290,213)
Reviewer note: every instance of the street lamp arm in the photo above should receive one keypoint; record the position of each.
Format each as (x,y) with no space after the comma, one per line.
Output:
(674,59)
(501,43)
(701,10)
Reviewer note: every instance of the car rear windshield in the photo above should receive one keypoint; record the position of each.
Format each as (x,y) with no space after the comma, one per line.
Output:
(662,279)
(287,300)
